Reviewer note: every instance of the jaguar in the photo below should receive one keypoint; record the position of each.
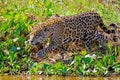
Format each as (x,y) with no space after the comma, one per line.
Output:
(80,29)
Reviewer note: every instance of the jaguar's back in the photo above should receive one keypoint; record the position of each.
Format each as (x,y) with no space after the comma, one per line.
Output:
(82,25)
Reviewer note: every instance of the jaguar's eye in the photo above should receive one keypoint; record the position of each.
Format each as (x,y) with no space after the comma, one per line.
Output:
(37,35)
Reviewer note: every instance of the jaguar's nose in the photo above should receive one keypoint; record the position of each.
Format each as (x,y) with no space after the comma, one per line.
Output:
(31,42)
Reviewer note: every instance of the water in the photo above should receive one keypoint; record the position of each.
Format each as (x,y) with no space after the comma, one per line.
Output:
(57,78)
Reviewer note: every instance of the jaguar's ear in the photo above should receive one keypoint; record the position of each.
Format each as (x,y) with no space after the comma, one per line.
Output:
(47,31)
(54,16)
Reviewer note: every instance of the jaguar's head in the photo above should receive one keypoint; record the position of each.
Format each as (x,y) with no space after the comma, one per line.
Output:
(37,36)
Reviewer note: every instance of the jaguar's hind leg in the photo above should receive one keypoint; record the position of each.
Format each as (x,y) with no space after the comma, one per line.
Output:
(100,41)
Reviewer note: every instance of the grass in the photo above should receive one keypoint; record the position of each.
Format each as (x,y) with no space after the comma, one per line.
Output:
(15,52)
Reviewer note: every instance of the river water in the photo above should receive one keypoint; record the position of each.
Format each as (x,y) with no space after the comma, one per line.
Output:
(57,78)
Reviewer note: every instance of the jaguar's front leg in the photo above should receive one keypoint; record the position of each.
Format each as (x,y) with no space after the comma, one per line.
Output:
(102,45)
(88,46)
(100,41)
(41,53)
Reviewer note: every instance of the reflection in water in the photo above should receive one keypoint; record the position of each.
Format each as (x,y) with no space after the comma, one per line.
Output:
(57,78)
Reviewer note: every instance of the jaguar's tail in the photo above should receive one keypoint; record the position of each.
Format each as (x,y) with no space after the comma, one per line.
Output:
(113,25)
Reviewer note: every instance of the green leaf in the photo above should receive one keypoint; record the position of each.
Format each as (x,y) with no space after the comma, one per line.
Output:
(44,1)
(87,60)
(12,56)
(16,65)
(99,64)
(58,65)
(4,26)
(46,66)
(77,58)
(7,15)
(112,57)
(49,5)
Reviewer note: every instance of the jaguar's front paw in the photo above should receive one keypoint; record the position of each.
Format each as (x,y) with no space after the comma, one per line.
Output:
(40,54)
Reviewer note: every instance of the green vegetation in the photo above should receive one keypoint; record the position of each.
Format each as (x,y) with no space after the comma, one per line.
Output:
(15,52)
